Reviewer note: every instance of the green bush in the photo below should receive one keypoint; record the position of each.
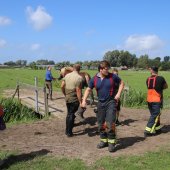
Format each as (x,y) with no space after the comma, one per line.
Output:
(133,98)
(15,111)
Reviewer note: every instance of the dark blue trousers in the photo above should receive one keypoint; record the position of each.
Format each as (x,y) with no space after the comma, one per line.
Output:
(106,114)
(154,120)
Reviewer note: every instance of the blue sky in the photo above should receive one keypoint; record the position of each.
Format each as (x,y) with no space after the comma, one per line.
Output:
(80,30)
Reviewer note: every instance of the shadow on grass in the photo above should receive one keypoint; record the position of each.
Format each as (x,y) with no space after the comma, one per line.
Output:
(13,159)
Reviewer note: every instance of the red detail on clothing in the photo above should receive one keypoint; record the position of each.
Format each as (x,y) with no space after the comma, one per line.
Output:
(111,82)
(1,111)
(153,95)
(104,126)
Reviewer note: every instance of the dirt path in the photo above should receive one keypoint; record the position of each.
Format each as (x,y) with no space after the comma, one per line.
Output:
(49,135)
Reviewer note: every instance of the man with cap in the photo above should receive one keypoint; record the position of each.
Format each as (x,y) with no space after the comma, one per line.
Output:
(155,84)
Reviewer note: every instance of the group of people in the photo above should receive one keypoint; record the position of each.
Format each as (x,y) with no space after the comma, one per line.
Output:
(109,87)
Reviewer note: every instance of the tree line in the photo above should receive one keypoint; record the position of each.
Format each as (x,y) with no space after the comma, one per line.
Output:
(116,58)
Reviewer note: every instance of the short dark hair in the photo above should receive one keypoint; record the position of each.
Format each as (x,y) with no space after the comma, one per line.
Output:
(103,64)
(154,68)
(77,67)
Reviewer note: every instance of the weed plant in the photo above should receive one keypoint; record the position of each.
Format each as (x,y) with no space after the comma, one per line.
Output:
(15,111)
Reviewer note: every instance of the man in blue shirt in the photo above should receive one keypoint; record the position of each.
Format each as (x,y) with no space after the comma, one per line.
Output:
(48,81)
(104,83)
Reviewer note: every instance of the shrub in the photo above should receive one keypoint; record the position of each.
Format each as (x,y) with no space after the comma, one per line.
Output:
(15,111)
(133,98)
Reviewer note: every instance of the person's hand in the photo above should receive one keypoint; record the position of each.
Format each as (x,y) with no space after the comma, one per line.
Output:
(83,104)
(117,97)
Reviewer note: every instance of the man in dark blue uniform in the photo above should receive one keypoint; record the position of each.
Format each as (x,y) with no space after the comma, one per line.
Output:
(104,83)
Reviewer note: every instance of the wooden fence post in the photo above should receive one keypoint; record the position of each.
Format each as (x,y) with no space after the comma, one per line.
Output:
(45,102)
(36,94)
(18,89)
(126,91)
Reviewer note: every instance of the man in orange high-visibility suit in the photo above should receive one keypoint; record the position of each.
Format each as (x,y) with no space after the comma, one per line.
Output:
(155,84)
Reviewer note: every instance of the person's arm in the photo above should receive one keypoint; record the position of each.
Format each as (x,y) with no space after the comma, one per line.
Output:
(63,87)
(79,94)
(121,86)
(52,78)
(86,94)
(165,86)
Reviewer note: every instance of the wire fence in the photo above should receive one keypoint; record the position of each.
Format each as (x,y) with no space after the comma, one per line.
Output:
(33,92)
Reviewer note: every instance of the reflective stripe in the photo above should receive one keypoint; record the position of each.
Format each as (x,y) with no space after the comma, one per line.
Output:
(154,81)
(153,127)
(111,140)
(104,140)
(148,129)
(158,127)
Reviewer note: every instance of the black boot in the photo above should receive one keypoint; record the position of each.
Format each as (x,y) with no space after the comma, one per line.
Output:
(111,147)
(102,145)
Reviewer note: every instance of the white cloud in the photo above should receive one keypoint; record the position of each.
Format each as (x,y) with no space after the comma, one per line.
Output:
(4,21)
(35,46)
(2,43)
(143,43)
(39,18)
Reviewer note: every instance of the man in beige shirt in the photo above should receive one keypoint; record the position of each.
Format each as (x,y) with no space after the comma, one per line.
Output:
(71,87)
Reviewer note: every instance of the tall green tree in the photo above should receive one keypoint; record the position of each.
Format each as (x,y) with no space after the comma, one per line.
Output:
(167,58)
(143,61)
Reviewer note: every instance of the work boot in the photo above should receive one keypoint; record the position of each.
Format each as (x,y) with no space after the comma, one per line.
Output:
(117,122)
(102,145)
(111,147)
(147,134)
(158,132)
(69,134)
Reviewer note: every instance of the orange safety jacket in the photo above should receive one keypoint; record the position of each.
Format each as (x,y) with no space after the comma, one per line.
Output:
(153,95)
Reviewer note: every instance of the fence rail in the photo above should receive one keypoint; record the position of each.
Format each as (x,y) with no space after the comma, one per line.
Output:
(36,90)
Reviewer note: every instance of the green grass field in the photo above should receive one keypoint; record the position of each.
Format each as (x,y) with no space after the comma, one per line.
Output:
(134,79)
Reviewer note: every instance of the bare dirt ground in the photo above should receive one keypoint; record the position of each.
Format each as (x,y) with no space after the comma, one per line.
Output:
(48,135)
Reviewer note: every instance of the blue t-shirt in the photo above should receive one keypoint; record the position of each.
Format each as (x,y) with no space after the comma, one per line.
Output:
(48,76)
(104,86)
